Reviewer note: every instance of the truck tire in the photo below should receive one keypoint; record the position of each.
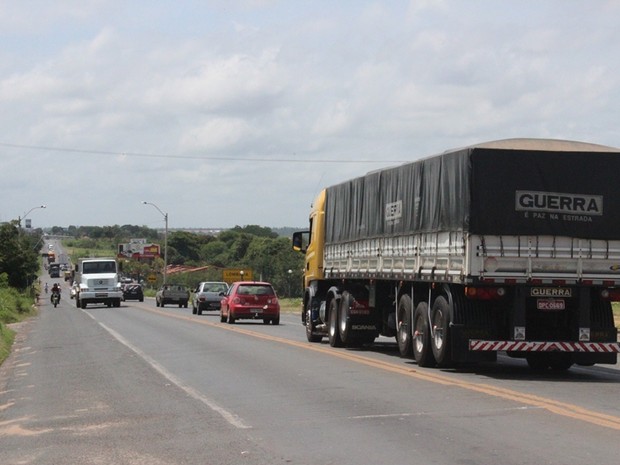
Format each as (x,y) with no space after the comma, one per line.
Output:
(344,319)
(310,327)
(560,361)
(441,318)
(421,337)
(334,332)
(403,334)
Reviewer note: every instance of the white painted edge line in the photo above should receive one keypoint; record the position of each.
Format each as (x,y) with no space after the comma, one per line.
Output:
(231,418)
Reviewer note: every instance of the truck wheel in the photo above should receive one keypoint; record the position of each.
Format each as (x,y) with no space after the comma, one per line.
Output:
(440,342)
(344,319)
(334,333)
(422,351)
(403,336)
(560,361)
(310,327)
(538,361)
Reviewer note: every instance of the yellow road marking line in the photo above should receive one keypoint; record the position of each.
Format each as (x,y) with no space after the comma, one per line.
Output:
(557,407)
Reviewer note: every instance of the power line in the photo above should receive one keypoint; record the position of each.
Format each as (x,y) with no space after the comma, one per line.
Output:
(190,157)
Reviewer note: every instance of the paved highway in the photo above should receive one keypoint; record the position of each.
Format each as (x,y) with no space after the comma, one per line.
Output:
(146,385)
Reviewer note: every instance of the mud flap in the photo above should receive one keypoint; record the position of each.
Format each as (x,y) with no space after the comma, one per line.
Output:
(460,346)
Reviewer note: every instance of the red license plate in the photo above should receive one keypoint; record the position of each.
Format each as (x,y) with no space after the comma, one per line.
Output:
(550,305)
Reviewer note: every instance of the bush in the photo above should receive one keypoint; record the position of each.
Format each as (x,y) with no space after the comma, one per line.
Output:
(14,306)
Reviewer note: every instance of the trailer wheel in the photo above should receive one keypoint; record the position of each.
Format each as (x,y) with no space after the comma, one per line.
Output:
(422,351)
(403,336)
(310,327)
(560,361)
(440,342)
(538,361)
(334,333)
(344,319)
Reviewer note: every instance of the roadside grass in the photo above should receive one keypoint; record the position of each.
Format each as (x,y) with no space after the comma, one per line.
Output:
(14,307)
(290,305)
(85,252)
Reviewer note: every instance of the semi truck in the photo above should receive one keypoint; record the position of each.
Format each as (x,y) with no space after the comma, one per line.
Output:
(509,246)
(97,281)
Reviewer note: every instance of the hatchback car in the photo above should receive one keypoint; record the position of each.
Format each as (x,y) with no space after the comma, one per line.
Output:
(207,296)
(133,292)
(250,300)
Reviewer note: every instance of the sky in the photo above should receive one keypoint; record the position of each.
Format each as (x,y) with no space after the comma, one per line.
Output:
(228,113)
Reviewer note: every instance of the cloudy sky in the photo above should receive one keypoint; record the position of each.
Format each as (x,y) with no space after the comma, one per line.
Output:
(237,112)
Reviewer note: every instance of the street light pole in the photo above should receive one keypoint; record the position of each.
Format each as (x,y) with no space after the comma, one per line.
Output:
(23,217)
(165,237)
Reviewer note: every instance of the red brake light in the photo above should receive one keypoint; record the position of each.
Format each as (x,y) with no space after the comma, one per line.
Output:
(485,293)
(611,295)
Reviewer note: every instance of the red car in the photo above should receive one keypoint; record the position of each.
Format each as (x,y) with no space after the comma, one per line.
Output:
(250,300)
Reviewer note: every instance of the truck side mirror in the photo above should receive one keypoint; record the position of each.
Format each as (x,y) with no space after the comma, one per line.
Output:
(298,241)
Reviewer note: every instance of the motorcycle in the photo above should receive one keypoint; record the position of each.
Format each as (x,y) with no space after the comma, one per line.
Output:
(55,298)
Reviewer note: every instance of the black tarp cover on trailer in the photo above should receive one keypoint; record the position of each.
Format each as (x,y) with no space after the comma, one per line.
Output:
(513,187)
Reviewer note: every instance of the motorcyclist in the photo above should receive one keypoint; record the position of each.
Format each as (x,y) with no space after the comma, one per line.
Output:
(55,290)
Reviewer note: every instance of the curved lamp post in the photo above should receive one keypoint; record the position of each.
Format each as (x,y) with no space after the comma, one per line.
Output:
(165,237)
(23,217)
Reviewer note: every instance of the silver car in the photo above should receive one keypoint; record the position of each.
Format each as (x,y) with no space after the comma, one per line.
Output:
(207,296)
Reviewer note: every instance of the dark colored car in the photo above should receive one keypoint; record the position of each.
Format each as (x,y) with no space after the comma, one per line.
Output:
(133,292)
(250,300)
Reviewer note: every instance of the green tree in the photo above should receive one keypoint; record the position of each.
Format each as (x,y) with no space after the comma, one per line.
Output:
(18,258)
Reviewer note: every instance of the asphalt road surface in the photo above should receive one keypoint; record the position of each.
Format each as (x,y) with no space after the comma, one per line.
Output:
(146,385)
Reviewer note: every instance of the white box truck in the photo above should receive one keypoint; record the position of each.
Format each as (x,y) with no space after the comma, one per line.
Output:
(97,281)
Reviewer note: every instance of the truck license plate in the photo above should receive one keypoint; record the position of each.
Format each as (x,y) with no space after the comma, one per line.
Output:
(550,305)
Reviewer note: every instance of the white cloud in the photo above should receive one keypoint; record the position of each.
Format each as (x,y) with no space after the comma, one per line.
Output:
(208,87)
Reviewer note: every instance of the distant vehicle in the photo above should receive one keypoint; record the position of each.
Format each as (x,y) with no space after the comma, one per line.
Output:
(172,294)
(55,298)
(54,270)
(96,281)
(133,292)
(250,300)
(207,296)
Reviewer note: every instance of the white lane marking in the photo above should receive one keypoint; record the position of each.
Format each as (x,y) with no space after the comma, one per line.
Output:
(231,418)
